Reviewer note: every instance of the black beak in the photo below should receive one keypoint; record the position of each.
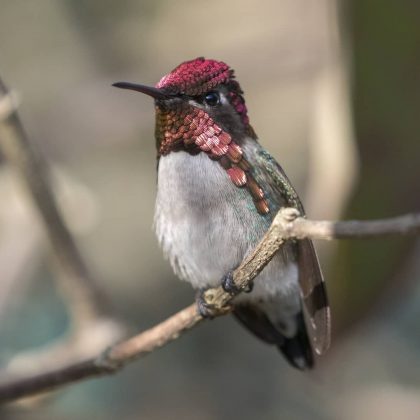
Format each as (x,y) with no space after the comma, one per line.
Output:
(148,90)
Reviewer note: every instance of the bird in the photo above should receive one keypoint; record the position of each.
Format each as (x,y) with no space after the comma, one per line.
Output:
(218,191)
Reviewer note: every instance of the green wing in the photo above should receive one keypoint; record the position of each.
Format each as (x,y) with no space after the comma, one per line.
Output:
(313,292)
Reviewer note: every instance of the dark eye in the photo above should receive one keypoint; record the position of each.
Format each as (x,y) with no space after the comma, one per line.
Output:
(211,99)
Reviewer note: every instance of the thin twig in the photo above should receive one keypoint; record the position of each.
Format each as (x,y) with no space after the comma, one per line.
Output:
(106,363)
(286,225)
(87,300)
(93,327)
(352,229)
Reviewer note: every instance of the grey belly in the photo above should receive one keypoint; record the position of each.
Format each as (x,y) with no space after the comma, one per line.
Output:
(206,225)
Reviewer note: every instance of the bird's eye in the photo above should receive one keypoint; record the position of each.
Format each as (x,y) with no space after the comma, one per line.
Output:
(211,99)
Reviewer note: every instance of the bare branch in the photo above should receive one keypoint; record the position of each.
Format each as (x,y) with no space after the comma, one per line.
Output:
(87,301)
(92,326)
(286,225)
(352,229)
(109,361)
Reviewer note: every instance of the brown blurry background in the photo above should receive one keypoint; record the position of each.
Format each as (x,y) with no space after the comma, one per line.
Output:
(332,91)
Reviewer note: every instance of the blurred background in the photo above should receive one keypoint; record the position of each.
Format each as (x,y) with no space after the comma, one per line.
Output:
(332,89)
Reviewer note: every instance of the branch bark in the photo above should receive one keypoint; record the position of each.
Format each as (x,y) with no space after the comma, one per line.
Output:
(286,225)
(352,229)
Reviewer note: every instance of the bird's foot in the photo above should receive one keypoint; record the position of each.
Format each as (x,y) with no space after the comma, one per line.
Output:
(204,308)
(230,287)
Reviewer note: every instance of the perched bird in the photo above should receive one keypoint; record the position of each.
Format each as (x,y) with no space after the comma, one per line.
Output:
(218,191)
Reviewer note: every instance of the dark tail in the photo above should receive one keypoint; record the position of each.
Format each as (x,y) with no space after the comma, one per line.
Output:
(297,349)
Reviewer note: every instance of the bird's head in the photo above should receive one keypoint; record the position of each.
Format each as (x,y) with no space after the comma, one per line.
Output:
(199,107)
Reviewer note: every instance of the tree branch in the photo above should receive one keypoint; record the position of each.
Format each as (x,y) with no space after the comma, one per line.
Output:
(93,326)
(286,225)
(87,300)
(352,229)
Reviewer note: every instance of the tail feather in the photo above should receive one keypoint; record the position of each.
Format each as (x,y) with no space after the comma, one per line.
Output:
(296,349)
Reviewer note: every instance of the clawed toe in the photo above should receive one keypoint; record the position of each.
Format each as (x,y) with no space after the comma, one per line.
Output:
(250,287)
(229,285)
(206,310)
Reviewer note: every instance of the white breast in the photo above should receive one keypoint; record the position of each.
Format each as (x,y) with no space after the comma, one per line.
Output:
(206,225)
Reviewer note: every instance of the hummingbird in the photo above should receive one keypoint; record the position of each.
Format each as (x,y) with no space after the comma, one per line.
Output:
(218,191)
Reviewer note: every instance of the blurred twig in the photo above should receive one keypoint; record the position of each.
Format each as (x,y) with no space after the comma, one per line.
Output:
(286,225)
(87,299)
(19,248)
(332,145)
(86,303)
